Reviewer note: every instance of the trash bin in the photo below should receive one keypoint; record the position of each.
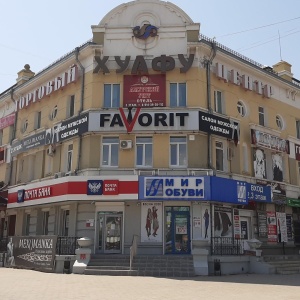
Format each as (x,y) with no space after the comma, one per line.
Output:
(217,267)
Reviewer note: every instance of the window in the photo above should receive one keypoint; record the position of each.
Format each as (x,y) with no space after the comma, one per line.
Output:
(241,108)
(219,156)
(144,151)
(65,223)
(279,122)
(45,222)
(27,224)
(178,94)
(111,95)
(261,116)
(298,128)
(53,113)
(37,121)
(24,126)
(1,137)
(71,106)
(178,149)
(110,152)
(69,157)
(219,105)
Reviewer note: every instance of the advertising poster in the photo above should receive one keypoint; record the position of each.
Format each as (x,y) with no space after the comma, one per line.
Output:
(32,252)
(289,222)
(259,162)
(144,91)
(151,222)
(277,167)
(262,224)
(281,227)
(272,227)
(206,219)
(236,224)
(222,221)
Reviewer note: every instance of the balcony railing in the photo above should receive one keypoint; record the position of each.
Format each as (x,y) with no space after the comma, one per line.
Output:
(226,246)
(66,245)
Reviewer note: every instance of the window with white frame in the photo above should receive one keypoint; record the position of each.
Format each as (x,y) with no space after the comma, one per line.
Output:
(219,156)
(298,129)
(38,119)
(111,95)
(46,215)
(144,151)
(69,157)
(178,151)
(241,108)
(261,116)
(71,106)
(279,122)
(219,102)
(110,152)
(178,94)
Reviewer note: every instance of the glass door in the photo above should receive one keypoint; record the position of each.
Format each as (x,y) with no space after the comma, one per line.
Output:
(177,228)
(109,232)
(112,234)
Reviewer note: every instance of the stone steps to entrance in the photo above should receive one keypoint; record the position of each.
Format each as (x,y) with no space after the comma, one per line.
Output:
(143,265)
(284,264)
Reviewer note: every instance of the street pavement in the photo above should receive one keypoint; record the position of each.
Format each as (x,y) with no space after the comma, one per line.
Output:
(18,284)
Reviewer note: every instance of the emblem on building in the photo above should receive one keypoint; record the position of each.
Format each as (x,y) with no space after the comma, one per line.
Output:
(94,187)
(145,31)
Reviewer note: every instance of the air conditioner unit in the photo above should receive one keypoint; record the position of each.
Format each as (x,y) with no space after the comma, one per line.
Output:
(125,144)
(59,174)
(71,173)
(50,150)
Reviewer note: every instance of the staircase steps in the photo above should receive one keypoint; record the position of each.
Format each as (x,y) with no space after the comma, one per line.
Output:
(284,264)
(143,265)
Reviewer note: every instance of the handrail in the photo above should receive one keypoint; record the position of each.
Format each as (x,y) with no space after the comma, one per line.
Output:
(133,249)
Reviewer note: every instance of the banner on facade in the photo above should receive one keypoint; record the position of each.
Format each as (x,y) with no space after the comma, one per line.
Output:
(281,227)
(151,222)
(222,221)
(206,222)
(259,164)
(269,141)
(7,121)
(174,188)
(236,190)
(262,224)
(289,227)
(219,126)
(236,224)
(36,252)
(277,167)
(259,193)
(272,227)
(144,90)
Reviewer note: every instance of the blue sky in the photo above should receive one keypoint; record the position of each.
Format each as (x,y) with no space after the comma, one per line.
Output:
(40,32)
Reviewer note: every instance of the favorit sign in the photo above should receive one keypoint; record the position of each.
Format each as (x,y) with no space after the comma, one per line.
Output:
(132,120)
(173,188)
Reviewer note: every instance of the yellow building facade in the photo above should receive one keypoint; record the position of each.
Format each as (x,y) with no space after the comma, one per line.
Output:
(152,129)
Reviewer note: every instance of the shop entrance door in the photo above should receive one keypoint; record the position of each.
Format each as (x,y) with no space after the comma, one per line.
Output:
(110,232)
(177,226)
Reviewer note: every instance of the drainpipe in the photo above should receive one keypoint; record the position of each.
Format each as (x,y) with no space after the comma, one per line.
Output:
(13,136)
(81,105)
(208,62)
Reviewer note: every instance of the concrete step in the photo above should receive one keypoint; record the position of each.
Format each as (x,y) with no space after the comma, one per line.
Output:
(109,272)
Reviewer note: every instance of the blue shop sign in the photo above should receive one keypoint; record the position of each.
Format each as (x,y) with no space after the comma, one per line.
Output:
(174,188)
(228,190)
(259,193)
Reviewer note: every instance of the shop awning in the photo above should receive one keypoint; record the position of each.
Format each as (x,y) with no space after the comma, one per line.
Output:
(293,202)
